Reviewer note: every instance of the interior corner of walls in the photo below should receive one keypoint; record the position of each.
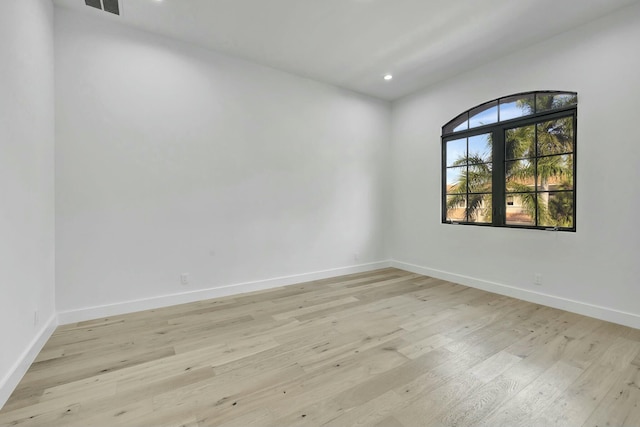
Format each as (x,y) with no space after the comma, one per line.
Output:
(131,306)
(579,307)
(20,367)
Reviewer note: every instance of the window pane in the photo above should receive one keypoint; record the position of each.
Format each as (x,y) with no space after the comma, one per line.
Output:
(555,136)
(457,180)
(555,173)
(462,126)
(515,106)
(483,115)
(536,152)
(457,152)
(556,209)
(552,101)
(519,176)
(520,142)
(480,178)
(480,148)
(456,207)
(459,123)
(479,208)
(520,209)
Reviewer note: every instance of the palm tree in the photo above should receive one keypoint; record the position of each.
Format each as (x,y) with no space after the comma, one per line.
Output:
(526,163)
(477,178)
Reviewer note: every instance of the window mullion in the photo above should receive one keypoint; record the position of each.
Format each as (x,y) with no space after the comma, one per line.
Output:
(536,200)
(551,108)
(498,183)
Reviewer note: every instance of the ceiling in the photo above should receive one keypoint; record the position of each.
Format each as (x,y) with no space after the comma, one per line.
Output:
(354,43)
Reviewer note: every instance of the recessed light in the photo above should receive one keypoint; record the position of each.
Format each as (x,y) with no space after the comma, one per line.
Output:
(388,76)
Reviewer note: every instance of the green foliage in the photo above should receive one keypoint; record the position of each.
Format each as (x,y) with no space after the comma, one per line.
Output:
(476,177)
(544,163)
(561,207)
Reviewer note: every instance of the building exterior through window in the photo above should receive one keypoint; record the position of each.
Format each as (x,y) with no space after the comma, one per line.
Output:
(510,162)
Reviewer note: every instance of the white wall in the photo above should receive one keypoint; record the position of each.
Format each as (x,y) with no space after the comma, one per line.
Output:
(599,264)
(26,185)
(175,159)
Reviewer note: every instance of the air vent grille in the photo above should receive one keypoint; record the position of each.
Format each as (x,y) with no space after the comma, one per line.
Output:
(94,3)
(110,6)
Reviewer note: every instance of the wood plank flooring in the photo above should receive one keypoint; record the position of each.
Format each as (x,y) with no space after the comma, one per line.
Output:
(383,348)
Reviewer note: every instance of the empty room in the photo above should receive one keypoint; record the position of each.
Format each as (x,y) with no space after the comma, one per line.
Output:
(319,212)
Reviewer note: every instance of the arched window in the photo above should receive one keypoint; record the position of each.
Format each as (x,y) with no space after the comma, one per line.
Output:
(510,162)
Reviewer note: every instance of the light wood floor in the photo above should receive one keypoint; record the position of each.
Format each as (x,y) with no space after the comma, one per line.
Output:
(384,348)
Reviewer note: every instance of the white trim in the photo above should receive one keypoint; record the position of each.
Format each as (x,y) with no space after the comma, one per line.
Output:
(89,313)
(586,309)
(17,371)
(12,379)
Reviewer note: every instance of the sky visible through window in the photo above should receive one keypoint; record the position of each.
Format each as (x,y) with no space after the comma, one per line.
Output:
(479,146)
(509,109)
(536,148)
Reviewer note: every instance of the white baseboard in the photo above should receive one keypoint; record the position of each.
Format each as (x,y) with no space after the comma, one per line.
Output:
(591,310)
(11,380)
(97,312)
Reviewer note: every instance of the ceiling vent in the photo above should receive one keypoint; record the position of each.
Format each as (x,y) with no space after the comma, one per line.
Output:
(110,6)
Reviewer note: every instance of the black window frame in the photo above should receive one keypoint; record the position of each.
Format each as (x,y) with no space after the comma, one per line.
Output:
(498,130)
